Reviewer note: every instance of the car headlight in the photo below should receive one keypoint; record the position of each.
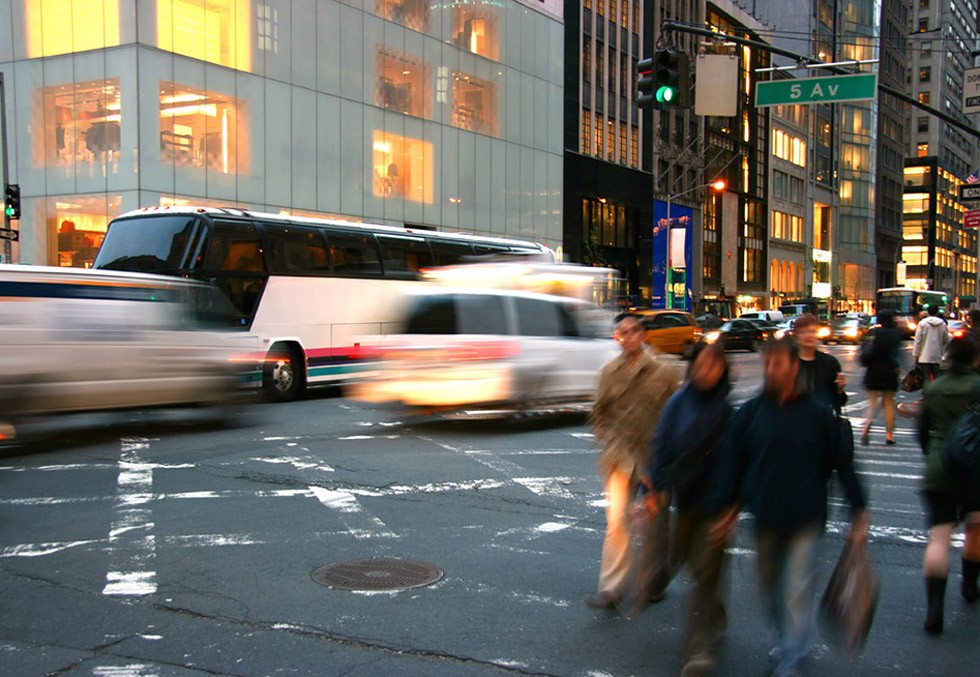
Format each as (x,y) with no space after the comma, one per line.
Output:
(712,336)
(823,332)
(779,333)
(911,325)
(851,332)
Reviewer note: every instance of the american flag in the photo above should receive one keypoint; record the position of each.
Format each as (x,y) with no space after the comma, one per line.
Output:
(974,177)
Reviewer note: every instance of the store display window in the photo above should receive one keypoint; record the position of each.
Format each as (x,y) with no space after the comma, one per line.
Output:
(199,128)
(81,125)
(474,104)
(80,223)
(402,167)
(67,26)
(217,31)
(403,83)
(474,26)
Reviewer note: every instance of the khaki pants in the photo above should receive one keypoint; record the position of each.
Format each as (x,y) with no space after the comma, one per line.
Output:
(619,563)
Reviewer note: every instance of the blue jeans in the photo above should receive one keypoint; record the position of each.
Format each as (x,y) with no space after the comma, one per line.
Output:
(787,566)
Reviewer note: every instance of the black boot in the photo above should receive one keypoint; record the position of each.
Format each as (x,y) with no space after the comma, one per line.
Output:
(935,597)
(971,570)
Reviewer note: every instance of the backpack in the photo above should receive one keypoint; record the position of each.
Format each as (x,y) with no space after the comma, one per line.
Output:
(866,354)
(961,451)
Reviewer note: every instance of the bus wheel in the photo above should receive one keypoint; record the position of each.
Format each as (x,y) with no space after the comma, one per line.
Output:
(282,376)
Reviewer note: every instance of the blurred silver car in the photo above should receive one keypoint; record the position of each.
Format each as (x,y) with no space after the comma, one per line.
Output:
(81,340)
(472,348)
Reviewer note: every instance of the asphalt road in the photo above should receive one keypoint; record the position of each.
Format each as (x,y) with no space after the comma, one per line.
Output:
(146,544)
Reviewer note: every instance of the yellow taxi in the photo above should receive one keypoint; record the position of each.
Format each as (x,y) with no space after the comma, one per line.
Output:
(670,331)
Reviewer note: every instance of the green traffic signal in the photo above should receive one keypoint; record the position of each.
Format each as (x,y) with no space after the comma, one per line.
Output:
(665,94)
(9,211)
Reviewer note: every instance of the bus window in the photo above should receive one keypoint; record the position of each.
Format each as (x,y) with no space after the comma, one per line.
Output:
(404,255)
(354,254)
(449,253)
(153,244)
(490,250)
(295,250)
(235,261)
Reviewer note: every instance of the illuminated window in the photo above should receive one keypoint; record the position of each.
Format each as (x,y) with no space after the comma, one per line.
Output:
(599,136)
(915,255)
(199,128)
(924,98)
(81,125)
(922,150)
(79,223)
(412,14)
(65,26)
(586,131)
(611,140)
(403,83)
(402,167)
(217,31)
(475,27)
(267,28)
(622,143)
(634,147)
(474,104)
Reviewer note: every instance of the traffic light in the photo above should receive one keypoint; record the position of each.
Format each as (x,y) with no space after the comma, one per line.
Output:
(644,83)
(671,78)
(11,201)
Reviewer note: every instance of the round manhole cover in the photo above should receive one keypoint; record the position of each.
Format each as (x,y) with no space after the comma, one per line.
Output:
(377,574)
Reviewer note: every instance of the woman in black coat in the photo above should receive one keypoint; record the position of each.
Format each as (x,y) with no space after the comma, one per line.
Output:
(881,376)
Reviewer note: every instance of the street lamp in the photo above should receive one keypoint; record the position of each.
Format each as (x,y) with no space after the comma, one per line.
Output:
(718,185)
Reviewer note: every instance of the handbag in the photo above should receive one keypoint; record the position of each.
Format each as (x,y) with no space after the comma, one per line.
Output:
(914,380)
(848,605)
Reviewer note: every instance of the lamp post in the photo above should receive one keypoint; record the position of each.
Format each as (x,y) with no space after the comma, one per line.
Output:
(718,185)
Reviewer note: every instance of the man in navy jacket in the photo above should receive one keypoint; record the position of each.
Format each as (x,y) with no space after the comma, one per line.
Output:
(780,449)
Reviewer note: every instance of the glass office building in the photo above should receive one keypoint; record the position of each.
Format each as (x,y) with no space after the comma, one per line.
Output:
(438,114)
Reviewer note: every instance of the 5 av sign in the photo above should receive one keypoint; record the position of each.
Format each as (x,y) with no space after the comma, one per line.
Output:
(830,89)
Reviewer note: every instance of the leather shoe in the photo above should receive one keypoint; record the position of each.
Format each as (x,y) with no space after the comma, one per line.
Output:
(601,601)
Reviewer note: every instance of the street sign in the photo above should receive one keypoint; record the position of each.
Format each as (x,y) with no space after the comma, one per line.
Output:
(716,86)
(970,191)
(971,91)
(829,89)
(9,234)
(971,219)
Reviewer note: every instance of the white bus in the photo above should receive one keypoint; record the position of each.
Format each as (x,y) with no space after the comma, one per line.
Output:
(306,289)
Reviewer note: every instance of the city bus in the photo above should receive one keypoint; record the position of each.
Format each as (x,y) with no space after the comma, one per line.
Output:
(908,304)
(306,289)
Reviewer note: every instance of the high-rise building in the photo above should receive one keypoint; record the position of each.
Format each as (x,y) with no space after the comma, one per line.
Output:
(608,209)
(893,132)
(396,111)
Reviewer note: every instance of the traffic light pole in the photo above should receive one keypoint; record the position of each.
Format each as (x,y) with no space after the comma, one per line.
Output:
(7,247)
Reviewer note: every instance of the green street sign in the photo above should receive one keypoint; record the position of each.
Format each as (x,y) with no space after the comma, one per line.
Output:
(829,89)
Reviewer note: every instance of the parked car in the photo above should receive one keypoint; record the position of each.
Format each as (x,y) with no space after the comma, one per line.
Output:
(847,329)
(83,340)
(477,348)
(738,335)
(670,331)
(770,329)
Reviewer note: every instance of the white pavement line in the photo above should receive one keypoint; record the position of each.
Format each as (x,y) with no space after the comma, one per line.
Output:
(583,436)
(132,545)
(547,486)
(134,670)
(41,549)
(298,462)
(360,524)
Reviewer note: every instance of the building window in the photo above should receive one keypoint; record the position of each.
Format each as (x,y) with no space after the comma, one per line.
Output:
(924,98)
(923,4)
(925,49)
(635,147)
(600,63)
(412,14)
(922,150)
(622,143)
(923,25)
(923,124)
(216,31)
(403,83)
(199,128)
(606,223)
(586,131)
(611,140)
(600,7)
(475,28)
(587,60)
(65,26)
(787,147)
(925,74)
(474,104)
(402,167)
(599,136)
(613,13)
(636,16)
(267,28)
(79,223)
(81,125)
(624,14)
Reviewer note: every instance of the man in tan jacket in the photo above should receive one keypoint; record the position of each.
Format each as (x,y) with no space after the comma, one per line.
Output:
(633,389)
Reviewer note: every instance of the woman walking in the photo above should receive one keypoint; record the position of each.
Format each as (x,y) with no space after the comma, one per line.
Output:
(881,376)
(681,463)
(945,400)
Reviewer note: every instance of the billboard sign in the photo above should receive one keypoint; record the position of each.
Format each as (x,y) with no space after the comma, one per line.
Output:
(672,256)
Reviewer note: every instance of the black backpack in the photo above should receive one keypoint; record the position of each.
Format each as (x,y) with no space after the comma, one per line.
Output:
(961,452)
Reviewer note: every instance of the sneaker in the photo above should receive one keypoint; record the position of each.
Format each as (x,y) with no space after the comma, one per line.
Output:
(698,666)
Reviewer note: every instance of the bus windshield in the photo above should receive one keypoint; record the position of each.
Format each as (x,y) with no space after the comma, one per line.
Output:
(154,244)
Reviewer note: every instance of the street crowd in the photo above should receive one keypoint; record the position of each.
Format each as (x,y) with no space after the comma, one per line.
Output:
(680,465)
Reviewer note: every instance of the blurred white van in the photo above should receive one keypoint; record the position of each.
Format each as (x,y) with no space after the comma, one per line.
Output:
(773,316)
(474,347)
(81,340)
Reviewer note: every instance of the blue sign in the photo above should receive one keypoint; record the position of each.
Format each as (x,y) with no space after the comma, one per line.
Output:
(681,221)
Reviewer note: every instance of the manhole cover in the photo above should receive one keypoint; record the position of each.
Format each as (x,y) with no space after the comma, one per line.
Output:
(377,574)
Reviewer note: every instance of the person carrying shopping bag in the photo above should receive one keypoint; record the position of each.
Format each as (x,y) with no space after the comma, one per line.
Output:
(880,359)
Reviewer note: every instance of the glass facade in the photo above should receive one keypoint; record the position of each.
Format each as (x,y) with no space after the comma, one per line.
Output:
(392,111)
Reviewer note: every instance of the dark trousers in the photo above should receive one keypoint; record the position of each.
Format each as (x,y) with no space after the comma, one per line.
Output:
(707,620)
(930,370)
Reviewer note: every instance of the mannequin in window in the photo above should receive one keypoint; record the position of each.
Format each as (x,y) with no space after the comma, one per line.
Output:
(392,179)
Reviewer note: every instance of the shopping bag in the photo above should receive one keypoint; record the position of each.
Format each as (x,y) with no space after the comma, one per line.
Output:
(847,608)
(649,545)
(914,380)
